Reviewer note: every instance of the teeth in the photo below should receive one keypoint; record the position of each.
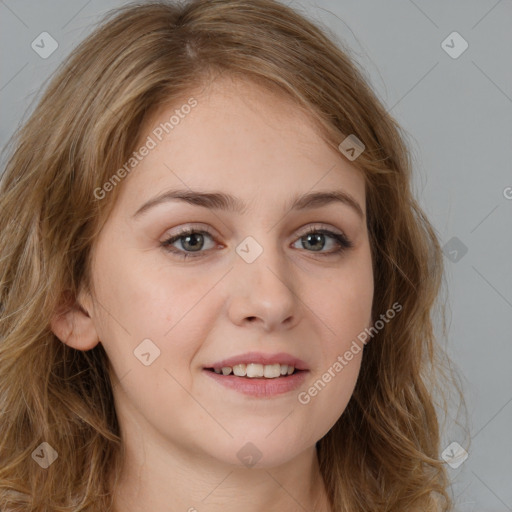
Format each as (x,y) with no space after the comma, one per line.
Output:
(254,370)
(271,371)
(239,370)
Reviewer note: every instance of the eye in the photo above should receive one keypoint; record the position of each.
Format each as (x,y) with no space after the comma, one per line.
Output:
(192,241)
(315,238)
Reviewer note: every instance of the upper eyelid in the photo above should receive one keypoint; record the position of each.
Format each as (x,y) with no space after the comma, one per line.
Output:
(306,227)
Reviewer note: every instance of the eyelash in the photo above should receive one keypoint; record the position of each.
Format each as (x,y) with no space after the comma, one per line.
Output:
(341,240)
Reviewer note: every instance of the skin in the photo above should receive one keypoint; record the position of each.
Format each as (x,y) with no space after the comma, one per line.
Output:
(181,430)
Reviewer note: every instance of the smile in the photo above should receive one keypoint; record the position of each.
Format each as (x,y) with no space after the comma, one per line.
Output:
(258,386)
(255,370)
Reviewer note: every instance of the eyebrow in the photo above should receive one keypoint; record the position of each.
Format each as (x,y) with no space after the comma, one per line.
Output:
(227,202)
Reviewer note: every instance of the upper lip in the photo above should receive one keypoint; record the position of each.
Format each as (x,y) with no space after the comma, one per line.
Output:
(261,358)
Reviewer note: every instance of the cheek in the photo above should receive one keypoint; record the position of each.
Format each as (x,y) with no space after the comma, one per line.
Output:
(327,395)
(342,303)
(143,298)
(343,311)
(137,302)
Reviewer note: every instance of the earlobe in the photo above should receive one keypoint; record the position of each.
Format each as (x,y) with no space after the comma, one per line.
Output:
(72,324)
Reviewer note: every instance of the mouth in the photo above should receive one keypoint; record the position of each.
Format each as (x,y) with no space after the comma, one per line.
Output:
(257,371)
(257,380)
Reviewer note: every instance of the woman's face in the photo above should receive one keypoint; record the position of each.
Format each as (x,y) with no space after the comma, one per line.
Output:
(253,280)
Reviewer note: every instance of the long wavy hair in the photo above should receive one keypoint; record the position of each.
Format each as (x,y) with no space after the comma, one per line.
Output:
(383,452)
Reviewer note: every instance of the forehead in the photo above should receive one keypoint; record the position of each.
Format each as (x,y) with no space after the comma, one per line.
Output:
(243,139)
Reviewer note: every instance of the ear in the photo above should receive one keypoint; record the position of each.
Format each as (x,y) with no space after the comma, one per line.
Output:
(72,324)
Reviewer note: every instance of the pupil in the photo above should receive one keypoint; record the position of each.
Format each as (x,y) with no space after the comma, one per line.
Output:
(193,236)
(317,236)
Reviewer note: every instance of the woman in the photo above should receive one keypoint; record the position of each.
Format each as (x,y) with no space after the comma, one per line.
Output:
(216,285)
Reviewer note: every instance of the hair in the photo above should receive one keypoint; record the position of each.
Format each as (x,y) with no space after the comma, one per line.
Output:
(383,452)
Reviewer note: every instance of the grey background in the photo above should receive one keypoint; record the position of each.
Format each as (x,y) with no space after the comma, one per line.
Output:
(457,114)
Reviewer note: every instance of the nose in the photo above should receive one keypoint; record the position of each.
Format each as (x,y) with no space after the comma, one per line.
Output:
(263,292)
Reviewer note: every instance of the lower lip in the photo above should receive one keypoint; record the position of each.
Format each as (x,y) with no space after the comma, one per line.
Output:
(260,387)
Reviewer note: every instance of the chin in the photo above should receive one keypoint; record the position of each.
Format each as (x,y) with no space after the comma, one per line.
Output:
(262,450)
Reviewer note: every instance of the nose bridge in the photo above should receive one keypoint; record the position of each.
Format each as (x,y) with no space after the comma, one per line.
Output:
(263,278)
(262,257)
